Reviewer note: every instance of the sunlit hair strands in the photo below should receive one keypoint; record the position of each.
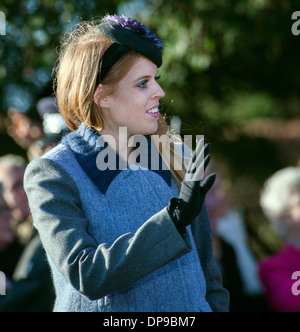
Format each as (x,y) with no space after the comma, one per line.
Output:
(76,73)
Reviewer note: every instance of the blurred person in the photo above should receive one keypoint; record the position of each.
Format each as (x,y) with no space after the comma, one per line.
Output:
(280,201)
(125,239)
(6,235)
(30,288)
(54,127)
(6,232)
(7,143)
(23,261)
(237,262)
(15,207)
(12,170)
(23,128)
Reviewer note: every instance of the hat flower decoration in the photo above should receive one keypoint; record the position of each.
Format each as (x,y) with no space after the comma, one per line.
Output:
(134,25)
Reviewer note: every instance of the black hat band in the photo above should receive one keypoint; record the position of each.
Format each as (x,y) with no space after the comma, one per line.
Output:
(129,36)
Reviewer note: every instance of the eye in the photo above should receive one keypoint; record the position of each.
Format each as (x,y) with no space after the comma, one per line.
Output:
(143,84)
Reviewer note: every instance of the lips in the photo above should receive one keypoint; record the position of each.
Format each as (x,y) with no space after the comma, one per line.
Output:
(153,111)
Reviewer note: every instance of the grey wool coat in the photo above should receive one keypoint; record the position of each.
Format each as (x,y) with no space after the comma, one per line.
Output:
(117,249)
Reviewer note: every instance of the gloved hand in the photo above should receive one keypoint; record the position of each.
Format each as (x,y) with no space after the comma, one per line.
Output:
(185,209)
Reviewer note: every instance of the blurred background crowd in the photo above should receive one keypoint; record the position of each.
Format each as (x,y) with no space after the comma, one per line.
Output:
(231,72)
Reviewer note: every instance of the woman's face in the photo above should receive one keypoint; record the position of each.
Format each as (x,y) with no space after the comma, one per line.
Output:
(135,103)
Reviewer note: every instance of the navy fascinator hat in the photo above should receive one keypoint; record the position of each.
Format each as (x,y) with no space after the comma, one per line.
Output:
(127,34)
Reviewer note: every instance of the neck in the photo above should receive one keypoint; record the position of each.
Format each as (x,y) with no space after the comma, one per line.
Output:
(118,141)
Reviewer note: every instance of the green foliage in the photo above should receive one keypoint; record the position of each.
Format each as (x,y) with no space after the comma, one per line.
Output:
(218,52)
(237,57)
(29,50)
(240,107)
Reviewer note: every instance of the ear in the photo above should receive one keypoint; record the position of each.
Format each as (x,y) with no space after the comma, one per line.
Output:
(99,98)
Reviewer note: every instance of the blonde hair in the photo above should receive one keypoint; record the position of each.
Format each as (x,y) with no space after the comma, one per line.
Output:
(75,80)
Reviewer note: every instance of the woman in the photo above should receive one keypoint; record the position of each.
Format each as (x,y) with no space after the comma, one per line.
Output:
(118,238)
(280,201)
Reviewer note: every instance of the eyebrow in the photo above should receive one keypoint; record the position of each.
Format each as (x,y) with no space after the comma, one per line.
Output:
(143,78)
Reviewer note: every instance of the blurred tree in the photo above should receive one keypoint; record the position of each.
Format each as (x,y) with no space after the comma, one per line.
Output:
(225,60)
(28,50)
(229,60)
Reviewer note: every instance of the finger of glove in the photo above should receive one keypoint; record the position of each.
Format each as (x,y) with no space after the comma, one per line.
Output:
(199,156)
(200,153)
(207,184)
(199,148)
(200,165)
(196,153)
(206,162)
(201,168)
(191,184)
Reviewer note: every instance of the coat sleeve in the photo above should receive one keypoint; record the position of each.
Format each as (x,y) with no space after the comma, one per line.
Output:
(216,295)
(94,269)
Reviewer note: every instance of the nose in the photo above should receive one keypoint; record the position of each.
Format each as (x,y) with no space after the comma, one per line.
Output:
(158,92)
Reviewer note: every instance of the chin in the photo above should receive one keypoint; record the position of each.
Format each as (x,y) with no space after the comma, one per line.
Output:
(147,130)
(152,131)
(154,128)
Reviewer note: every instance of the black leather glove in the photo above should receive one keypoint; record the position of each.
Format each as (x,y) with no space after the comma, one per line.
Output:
(185,209)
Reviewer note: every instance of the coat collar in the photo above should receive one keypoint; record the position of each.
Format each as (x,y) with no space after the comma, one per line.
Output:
(83,143)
